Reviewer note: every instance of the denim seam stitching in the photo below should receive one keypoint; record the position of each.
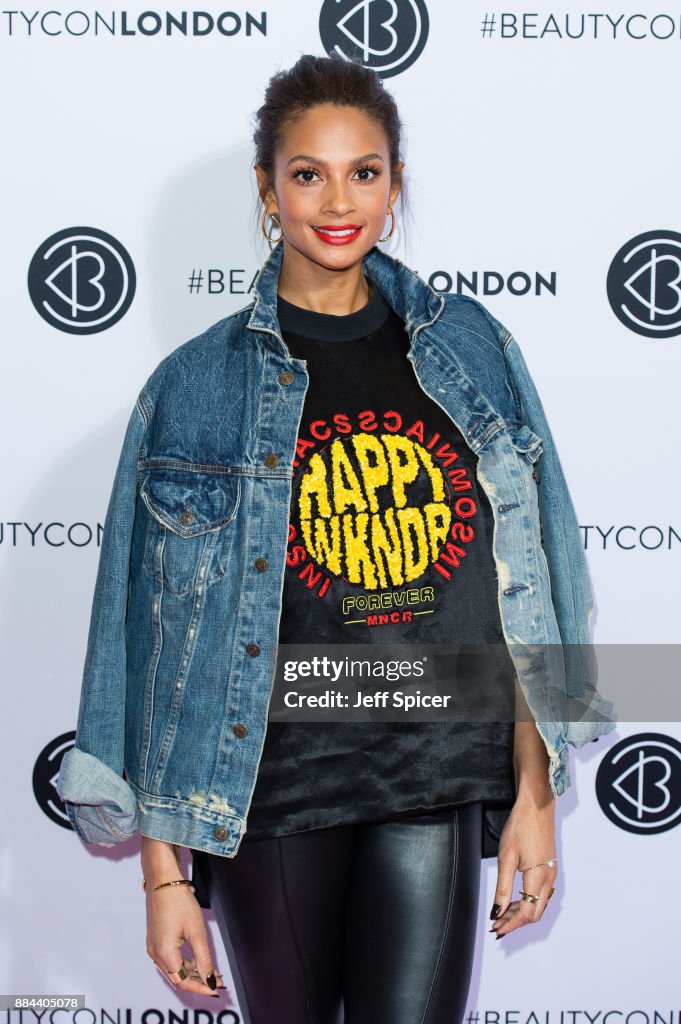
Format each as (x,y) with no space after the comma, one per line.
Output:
(177,700)
(202,467)
(154,658)
(144,412)
(110,827)
(476,334)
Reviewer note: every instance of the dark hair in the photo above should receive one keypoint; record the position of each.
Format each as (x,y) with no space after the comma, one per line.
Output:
(313,80)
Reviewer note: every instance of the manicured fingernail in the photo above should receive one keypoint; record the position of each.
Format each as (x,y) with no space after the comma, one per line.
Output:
(496,907)
(211,980)
(502,935)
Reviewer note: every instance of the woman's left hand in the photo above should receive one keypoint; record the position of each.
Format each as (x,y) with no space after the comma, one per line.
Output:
(528,838)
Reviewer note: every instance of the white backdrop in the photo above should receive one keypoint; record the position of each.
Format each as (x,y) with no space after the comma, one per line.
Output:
(533,153)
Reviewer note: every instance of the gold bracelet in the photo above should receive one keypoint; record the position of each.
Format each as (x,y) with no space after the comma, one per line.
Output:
(179,881)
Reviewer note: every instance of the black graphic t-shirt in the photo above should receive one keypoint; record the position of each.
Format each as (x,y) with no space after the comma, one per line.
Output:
(390,539)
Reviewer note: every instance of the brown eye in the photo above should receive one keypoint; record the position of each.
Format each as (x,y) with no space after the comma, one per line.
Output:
(301,171)
(374,171)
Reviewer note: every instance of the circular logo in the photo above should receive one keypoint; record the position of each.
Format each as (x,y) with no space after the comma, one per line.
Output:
(644,284)
(45,777)
(376,510)
(638,783)
(81,280)
(384,35)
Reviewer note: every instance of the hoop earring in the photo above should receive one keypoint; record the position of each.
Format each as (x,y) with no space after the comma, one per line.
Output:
(262,227)
(392,228)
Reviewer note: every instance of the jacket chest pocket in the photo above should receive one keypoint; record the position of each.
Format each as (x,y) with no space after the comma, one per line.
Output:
(190,528)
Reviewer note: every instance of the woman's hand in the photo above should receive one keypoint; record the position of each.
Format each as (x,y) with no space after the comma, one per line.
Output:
(173,917)
(528,838)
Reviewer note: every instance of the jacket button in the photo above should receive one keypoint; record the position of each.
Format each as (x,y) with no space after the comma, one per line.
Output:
(253,650)
(220,833)
(240,730)
(286,377)
(187,518)
(535,476)
(261,564)
(272,460)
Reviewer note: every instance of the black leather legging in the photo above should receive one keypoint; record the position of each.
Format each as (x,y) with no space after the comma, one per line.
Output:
(362,924)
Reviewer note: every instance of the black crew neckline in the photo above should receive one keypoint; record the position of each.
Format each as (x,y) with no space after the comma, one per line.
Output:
(308,323)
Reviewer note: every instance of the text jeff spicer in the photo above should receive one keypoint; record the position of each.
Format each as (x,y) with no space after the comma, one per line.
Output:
(337,699)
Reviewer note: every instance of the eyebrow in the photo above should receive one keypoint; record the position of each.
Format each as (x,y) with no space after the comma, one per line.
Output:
(323,163)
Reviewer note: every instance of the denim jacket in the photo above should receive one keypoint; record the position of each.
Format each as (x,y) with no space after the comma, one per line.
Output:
(182,642)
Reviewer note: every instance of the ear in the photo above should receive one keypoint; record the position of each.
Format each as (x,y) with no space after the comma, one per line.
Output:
(396,188)
(266,192)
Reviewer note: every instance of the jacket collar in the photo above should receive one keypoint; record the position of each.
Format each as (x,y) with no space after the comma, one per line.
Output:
(412,299)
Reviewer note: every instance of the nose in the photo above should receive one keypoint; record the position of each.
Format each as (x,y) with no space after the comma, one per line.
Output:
(337,199)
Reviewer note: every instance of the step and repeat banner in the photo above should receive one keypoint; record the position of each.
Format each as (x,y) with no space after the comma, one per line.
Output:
(542,156)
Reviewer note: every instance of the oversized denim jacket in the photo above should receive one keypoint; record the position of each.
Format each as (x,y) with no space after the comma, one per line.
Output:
(182,643)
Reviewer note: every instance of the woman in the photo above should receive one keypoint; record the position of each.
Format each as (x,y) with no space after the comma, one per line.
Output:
(408,420)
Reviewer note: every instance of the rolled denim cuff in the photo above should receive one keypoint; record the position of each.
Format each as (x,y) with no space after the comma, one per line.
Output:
(579,733)
(100,804)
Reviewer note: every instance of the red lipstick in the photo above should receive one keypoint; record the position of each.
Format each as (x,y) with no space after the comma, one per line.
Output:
(337,234)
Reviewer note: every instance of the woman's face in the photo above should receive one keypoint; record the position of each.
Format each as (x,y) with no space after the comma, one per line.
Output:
(332,171)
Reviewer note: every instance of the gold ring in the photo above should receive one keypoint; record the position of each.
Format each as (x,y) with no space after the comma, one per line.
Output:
(179,975)
(528,897)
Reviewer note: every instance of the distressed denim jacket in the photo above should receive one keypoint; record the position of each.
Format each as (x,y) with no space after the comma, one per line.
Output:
(182,643)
